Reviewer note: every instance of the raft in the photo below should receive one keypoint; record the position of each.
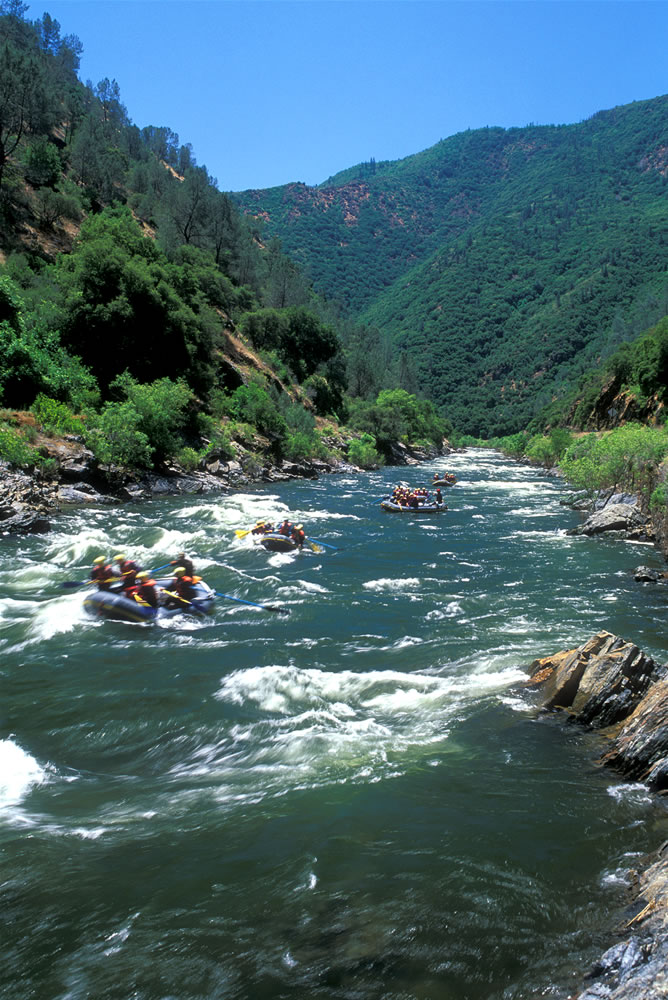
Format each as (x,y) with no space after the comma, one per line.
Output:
(274,541)
(423,508)
(444,482)
(114,605)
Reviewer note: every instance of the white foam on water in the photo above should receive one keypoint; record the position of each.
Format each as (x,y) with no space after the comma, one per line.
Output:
(318,727)
(392,583)
(633,792)
(313,588)
(63,614)
(19,773)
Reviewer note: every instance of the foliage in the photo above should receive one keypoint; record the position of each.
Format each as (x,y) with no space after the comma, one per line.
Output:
(161,408)
(362,452)
(658,501)
(626,457)
(397,415)
(115,437)
(55,417)
(252,404)
(299,338)
(547,449)
(15,450)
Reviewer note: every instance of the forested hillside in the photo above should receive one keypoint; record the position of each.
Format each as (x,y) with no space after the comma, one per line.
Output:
(503,263)
(142,311)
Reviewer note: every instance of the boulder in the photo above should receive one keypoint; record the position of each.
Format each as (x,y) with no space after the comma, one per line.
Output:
(26,523)
(613,517)
(601,682)
(644,574)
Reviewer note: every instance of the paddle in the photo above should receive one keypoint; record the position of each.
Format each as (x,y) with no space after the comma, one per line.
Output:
(158,568)
(70,584)
(265,607)
(240,533)
(177,597)
(326,544)
(313,546)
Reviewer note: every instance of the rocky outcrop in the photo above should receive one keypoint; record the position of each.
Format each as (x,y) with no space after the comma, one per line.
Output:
(621,517)
(611,685)
(26,502)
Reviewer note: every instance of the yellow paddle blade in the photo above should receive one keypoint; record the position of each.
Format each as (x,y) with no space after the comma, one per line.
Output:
(240,533)
(314,546)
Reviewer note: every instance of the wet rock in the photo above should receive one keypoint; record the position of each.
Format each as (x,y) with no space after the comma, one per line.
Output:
(644,574)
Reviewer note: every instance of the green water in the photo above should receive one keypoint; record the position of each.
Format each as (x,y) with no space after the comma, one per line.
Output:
(357,800)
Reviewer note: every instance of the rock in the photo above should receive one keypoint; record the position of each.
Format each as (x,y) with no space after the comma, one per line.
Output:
(613,517)
(601,682)
(640,748)
(646,575)
(82,493)
(26,523)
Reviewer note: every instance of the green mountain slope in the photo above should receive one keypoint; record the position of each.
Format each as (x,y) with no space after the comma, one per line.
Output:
(504,261)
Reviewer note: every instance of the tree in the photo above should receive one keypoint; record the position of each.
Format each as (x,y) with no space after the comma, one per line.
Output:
(25,104)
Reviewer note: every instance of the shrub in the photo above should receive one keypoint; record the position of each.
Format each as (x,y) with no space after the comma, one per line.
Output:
(55,417)
(116,438)
(189,459)
(13,448)
(658,501)
(362,452)
(161,407)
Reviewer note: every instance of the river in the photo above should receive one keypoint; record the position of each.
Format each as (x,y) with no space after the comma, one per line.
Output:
(357,800)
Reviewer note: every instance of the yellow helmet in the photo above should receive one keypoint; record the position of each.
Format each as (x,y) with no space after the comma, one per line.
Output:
(142,576)
(98,560)
(119,558)
(180,571)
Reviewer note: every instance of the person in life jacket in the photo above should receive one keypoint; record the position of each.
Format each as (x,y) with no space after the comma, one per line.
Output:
(439,495)
(127,570)
(183,587)
(261,528)
(102,573)
(145,591)
(299,535)
(187,563)
(285,528)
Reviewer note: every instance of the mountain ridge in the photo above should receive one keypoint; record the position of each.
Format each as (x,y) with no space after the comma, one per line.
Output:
(446,249)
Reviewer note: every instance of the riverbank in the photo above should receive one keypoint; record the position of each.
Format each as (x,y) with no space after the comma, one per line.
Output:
(611,686)
(29,500)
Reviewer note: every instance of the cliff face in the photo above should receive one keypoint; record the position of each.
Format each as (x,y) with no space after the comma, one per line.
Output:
(611,685)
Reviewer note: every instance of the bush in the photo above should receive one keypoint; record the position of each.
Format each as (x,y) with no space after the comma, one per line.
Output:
(189,459)
(13,448)
(626,457)
(659,499)
(55,417)
(300,446)
(161,407)
(362,452)
(252,404)
(115,438)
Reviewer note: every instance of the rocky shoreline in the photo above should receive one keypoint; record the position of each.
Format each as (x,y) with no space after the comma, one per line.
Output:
(29,501)
(610,685)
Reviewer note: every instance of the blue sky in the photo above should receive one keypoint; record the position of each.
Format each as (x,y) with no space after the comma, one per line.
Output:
(272,91)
